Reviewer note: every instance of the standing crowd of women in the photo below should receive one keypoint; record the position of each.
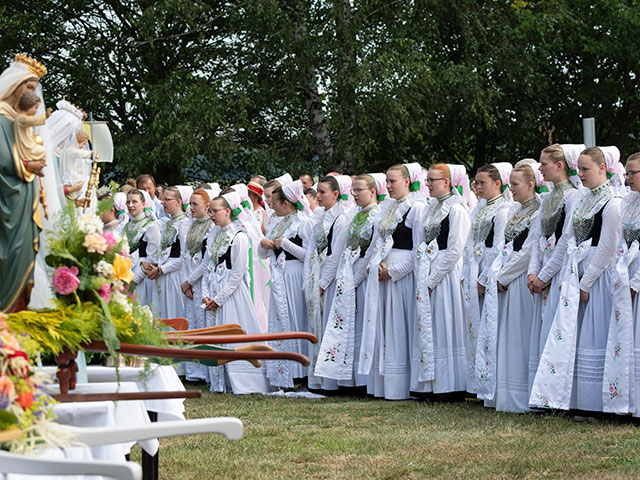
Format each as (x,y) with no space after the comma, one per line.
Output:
(521,290)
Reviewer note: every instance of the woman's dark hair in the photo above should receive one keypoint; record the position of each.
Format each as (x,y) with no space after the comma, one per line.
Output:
(333,183)
(135,191)
(492,172)
(311,192)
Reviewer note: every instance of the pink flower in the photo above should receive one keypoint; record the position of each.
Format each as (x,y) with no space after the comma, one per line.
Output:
(65,280)
(110,239)
(95,243)
(105,292)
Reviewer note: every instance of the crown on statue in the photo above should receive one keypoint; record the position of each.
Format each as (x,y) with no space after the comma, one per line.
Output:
(36,67)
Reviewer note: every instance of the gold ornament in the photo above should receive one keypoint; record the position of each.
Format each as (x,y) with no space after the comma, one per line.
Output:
(36,67)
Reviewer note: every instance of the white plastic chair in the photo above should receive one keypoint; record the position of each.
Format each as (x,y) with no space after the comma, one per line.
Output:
(13,463)
(230,427)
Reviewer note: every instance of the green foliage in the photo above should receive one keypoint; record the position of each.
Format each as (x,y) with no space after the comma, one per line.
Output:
(220,90)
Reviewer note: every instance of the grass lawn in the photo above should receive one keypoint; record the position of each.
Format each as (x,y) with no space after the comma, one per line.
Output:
(347,438)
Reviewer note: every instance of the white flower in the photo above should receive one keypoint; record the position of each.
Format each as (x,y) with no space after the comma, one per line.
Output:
(122,300)
(90,224)
(125,245)
(104,268)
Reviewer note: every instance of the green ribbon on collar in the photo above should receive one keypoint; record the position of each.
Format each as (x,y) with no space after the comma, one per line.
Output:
(572,172)
(414,186)
(185,206)
(542,189)
(381,197)
(119,212)
(148,209)
(246,204)
(344,197)
(235,212)
(610,175)
(299,205)
(459,189)
(504,187)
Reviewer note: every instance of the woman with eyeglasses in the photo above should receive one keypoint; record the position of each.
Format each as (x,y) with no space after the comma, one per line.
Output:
(226,295)
(321,264)
(441,339)
(286,244)
(572,363)
(344,325)
(389,328)
(620,387)
(488,220)
(558,165)
(167,300)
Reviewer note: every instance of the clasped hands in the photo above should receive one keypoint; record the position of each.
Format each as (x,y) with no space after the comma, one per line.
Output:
(151,270)
(269,244)
(210,304)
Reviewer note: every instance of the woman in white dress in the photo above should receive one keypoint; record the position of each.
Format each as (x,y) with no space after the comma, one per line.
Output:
(558,165)
(193,250)
(502,361)
(259,276)
(343,331)
(143,236)
(390,308)
(570,373)
(631,236)
(488,220)
(286,246)
(441,339)
(226,294)
(622,357)
(321,265)
(168,301)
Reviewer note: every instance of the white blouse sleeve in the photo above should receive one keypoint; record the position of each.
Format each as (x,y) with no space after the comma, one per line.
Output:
(239,267)
(459,225)
(152,236)
(606,249)
(535,262)
(338,244)
(173,264)
(304,232)
(198,272)
(554,264)
(519,261)
(399,270)
(499,222)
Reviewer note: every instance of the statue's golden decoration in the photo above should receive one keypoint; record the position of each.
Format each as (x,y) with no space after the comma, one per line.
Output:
(94,181)
(38,69)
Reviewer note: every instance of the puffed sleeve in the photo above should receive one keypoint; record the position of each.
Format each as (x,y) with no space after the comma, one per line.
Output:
(173,264)
(519,261)
(239,267)
(338,244)
(152,236)
(499,222)
(554,264)
(415,218)
(198,272)
(535,262)
(304,232)
(606,249)
(459,225)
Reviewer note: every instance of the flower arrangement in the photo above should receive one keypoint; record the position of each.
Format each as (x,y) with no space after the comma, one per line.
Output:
(26,411)
(91,277)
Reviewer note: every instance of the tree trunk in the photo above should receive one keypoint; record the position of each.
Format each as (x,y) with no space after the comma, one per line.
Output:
(309,84)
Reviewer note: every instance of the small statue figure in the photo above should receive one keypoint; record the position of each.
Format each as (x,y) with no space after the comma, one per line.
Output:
(28,147)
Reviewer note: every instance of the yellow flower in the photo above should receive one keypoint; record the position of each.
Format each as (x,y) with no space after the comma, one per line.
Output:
(122,268)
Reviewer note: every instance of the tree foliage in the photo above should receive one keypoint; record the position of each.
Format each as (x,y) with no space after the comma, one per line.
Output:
(221,89)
